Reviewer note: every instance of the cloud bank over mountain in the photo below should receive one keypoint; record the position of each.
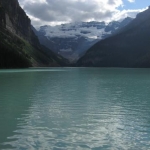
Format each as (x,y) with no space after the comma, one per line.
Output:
(54,12)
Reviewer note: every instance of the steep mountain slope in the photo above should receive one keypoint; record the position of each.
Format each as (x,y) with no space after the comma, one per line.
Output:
(73,39)
(130,47)
(19,46)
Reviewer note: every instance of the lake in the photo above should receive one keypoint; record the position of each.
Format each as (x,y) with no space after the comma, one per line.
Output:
(75,109)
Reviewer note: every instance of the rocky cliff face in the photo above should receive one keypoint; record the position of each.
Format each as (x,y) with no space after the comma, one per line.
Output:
(130,47)
(16,21)
(19,46)
(2,17)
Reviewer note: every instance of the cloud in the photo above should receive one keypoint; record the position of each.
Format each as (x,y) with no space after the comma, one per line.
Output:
(131,1)
(127,13)
(61,11)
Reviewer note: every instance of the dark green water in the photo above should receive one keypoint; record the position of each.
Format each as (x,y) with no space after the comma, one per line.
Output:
(75,109)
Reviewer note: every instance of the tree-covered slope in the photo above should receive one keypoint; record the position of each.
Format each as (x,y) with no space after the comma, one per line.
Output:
(19,46)
(130,47)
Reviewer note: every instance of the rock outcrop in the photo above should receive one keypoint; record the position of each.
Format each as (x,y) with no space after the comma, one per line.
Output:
(19,46)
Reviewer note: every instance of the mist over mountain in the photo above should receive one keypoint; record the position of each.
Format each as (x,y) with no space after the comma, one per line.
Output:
(130,47)
(73,39)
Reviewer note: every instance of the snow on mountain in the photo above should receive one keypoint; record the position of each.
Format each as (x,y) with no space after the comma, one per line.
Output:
(91,30)
(73,39)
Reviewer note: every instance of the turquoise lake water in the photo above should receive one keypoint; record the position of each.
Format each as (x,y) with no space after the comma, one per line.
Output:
(75,109)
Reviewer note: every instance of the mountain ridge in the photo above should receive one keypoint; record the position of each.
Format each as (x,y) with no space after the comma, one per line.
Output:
(71,40)
(19,46)
(127,48)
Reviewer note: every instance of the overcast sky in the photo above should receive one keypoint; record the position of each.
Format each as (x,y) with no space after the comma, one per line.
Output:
(52,12)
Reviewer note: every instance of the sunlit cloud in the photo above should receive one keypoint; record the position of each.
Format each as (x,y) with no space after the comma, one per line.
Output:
(51,12)
(131,1)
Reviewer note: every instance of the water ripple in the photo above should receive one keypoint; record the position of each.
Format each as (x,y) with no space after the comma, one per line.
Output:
(102,109)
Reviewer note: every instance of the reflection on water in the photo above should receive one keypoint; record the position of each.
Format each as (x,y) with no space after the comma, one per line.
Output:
(67,109)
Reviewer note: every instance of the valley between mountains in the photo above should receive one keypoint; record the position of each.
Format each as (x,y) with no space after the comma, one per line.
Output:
(123,43)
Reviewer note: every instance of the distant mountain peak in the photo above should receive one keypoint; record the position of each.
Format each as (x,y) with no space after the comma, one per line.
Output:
(71,40)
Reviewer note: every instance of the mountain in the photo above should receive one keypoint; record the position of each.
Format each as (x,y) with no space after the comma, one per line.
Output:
(130,47)
(19,46)
(73,39)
